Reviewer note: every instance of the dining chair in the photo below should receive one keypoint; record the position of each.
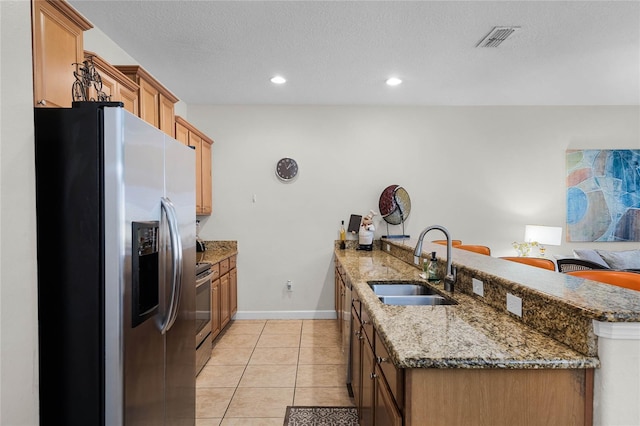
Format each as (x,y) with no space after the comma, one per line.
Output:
(475,248)
(538,262)
(454,243)
(630,280)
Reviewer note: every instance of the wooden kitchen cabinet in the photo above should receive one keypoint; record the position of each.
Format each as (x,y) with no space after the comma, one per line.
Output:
(389,396)
(224,294)
(356,359)
(206,189)
(156,104)
(233,292)
(191,136)
(367,414)
(225,316)
(339,291)
(376,402)
(114,84)
(386,412)
(57,36)
(215,309)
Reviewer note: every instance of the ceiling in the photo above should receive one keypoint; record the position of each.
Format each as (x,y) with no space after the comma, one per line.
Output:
(341,52)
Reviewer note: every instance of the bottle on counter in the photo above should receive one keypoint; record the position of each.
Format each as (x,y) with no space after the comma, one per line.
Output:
(343,237)
(432,268)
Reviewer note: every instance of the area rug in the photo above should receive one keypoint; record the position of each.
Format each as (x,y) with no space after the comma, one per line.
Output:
(321,416)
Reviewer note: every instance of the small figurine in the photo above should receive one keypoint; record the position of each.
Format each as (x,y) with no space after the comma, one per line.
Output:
(365,235)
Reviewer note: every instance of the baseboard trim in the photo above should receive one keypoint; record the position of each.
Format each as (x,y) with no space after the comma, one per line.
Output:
(249,315)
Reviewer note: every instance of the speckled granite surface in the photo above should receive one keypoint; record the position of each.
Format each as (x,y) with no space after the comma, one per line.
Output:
(471,334)
(558,305)
(217,251)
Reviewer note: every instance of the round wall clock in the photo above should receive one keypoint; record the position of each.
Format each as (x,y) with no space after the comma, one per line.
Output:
(286,169)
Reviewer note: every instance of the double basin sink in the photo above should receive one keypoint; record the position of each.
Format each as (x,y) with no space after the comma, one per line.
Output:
(408,293)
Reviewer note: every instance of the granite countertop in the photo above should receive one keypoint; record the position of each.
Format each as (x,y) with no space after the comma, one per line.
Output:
(217,251)
(471,334)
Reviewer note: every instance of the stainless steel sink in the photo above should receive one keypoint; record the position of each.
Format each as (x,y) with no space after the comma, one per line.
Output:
(400,288)
(417,300)
(408,293)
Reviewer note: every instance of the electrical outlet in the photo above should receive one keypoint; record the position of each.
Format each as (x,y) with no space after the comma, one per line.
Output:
(388,247)
(478,287)
(514,304)
(289,285)
(416,260)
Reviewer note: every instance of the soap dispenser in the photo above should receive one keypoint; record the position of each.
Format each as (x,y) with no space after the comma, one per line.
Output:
(432,268)
(343,237)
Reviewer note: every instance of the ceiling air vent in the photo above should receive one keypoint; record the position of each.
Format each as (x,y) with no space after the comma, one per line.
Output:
(497,36)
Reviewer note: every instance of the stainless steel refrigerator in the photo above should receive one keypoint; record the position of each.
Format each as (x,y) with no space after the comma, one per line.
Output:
(115,201)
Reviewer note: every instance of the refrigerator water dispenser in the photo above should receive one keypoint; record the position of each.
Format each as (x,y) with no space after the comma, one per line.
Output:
(144,268)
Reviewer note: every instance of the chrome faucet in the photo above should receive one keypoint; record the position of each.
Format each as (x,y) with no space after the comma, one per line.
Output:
(450,272)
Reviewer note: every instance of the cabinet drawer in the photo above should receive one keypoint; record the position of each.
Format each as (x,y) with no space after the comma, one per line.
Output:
(355,302)
(232,262)
(224,266)
(367,326)
(394,376)
(215,270)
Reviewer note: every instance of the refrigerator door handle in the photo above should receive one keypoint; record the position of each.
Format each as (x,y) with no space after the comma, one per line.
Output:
(176,260)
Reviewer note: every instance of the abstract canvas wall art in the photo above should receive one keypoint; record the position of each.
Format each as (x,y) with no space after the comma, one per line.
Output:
(603,195)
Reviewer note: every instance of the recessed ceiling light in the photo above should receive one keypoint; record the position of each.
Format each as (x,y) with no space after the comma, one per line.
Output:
(393,81)
(278,80)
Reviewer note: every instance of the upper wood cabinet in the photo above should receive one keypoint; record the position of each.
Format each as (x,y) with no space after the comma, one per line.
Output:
(114,84)
(57,45)
(189,135)
(155,102)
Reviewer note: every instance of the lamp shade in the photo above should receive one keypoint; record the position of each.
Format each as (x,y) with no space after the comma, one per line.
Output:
(546,235)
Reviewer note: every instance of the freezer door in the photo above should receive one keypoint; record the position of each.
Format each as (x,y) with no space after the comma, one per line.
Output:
(180,338)
(134,349)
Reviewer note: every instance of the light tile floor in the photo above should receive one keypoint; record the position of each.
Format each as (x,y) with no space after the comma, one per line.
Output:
(258,367)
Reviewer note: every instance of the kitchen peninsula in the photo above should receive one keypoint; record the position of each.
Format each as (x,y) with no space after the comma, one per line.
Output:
(455,364)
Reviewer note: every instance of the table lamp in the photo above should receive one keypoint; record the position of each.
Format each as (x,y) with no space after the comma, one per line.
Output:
(543,235)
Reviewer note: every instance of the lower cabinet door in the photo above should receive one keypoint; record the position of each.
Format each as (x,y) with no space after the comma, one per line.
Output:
(368,386)
(233,292)
(356,361)
(386,412)
(224,301)
(215,309)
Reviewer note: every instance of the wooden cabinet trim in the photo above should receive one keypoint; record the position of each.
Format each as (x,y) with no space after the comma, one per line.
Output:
(136,72)
(69,12)
(192,128)
(112,71)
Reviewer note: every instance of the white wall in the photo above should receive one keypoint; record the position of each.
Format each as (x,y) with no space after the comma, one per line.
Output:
(18,282)
(482,172)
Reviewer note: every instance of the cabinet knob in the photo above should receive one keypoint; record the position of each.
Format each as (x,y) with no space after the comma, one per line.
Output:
(373,376)
(381,360)
(42,102)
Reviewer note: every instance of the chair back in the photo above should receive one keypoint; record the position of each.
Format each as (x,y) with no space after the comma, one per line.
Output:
(538,262)
(573,264)
(474,248)
(630,280)
(454,243)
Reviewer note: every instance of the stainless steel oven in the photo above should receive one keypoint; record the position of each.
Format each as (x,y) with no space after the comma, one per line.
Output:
(203,314)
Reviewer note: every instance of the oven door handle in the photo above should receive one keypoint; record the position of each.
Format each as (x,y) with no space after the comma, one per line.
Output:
(204,279)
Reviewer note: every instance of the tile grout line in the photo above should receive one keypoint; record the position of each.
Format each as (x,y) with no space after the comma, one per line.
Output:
(243,372)
(295,382)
